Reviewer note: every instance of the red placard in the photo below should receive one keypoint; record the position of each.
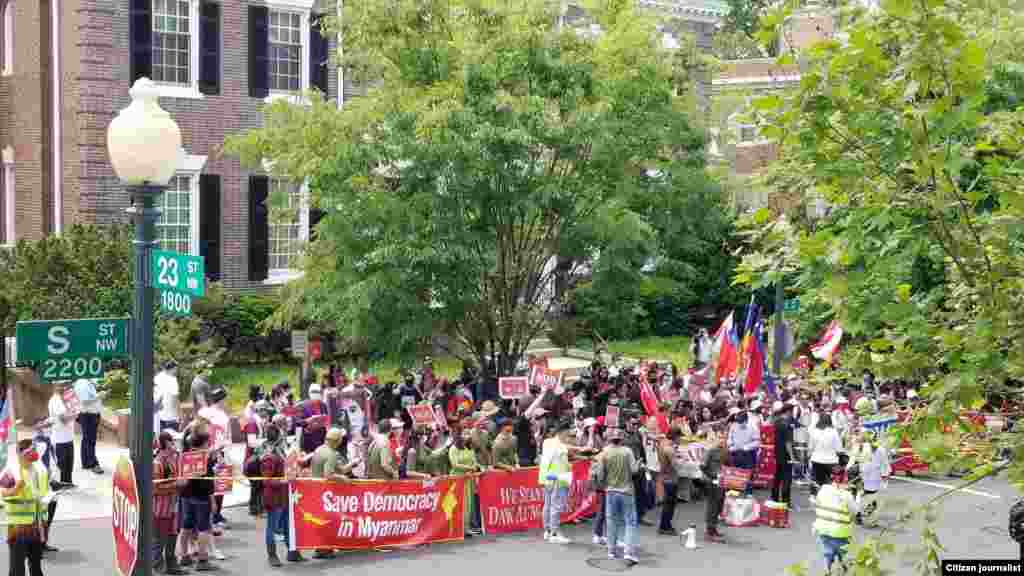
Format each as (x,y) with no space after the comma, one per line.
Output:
(513,387)
(71,403)
(315,349)
(611,417)
(546,378)
(514,501)
(439,418)
(422,414)
(224,482)
(193,463)
(219,435)
(125,519)
(318,421)
(357,516)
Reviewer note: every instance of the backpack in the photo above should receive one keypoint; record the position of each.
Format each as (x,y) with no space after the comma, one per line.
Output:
(598,477)
(1017,522)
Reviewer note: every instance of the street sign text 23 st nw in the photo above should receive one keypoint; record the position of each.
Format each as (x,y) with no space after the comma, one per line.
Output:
(178,272)
(39,340)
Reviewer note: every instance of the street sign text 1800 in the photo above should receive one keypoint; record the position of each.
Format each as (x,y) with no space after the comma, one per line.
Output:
(175,303)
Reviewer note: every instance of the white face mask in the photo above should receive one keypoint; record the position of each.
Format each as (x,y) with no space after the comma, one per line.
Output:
(315,396)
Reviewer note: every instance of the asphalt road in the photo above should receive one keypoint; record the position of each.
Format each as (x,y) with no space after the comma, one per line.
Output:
(970,525)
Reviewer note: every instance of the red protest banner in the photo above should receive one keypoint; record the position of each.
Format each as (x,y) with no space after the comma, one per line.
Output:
(546,378)
(611,417)
(193,464)
(71,403)
(225,481)
(362,515)
(513,387)
(514,501)
(422,414)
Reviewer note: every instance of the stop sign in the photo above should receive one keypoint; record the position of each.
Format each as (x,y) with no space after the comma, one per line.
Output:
(126,517)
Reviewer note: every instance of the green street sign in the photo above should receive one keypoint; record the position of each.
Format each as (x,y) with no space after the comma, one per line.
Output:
(40,340)
(175,303)
(70,368)
(791,305)
(178,272)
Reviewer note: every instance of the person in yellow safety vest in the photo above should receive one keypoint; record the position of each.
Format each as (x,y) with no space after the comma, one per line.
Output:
(834,508)
(23,495)
(556,477)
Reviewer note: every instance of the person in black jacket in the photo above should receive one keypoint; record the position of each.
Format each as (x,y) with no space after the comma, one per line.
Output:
(711,467)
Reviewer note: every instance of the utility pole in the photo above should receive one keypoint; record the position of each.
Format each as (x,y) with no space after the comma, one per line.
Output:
(780,331)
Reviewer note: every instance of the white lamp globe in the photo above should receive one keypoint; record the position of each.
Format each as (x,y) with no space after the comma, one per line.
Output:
(143,141)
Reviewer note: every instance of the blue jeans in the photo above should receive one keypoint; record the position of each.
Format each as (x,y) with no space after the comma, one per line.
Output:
(620,514)
(554,502)
(277,521)
(832,549)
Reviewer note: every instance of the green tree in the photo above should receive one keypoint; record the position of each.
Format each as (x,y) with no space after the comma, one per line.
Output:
(495,141)
(912,133)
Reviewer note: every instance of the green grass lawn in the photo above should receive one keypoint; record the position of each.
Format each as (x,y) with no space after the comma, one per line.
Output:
(675,349)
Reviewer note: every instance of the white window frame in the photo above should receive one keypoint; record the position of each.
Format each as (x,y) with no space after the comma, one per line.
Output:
(304,8)
(8,64)
(190,90)
(191,166)
(10,234)
(277,276)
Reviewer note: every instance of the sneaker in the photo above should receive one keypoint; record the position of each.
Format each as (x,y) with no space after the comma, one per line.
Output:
(204,566)
(668,532)
(185,561)
(611,556)
(559,539)
(631,560)
(218,555)
(97,470)
(600,541)
(547,535)
(279,537)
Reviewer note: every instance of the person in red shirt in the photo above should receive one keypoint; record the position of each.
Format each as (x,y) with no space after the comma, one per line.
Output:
(165,503)
(275,493)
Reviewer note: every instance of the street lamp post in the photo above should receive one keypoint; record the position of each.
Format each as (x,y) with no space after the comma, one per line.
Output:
(144,144)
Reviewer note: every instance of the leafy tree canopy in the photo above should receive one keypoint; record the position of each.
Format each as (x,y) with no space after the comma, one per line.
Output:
(494,139)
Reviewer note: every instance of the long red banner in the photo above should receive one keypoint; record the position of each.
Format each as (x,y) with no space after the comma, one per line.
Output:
(514,501)
(361,515)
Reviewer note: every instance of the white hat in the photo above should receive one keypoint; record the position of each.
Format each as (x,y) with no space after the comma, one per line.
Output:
(842,400)
(315,389)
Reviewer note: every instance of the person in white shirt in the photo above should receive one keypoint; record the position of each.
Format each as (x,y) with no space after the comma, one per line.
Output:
(89,420)
(62,435)
(167,392)
(825,447)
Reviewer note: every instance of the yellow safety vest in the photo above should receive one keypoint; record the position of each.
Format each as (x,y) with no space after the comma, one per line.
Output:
(833,515)
(555,462)
(25,508)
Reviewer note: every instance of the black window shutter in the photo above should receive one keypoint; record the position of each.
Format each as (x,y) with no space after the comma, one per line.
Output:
(315,216)
(141,24)
(259,228)
(209,48)
(259,51)
(209,223)
(318,55)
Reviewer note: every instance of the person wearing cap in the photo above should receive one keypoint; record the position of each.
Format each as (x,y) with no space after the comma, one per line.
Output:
(503,451)
(312,424)
(89,421)
(47,460)
(743,442)
(620,465)
(783,481)
(556,477)
(328,464)
(841,416)
(62,434)
(25,490)
(166,392)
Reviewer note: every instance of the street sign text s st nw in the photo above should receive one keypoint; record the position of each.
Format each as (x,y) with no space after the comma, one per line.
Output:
(40,340)
(178,272)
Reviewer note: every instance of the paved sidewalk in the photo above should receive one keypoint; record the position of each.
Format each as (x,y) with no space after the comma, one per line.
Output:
(92,498)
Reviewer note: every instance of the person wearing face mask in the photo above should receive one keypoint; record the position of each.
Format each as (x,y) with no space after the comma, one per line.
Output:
(275,494)
(313,428)
(743,443)
(165,504)
(24,491)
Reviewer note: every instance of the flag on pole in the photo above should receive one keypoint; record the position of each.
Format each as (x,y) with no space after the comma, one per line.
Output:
(727,344)
(755,376)
(650,402)
(826,348)
(748,337)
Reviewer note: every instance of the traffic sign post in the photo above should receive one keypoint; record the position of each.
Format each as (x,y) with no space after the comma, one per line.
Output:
(178,272)
(41,340)
(125,519)
(792,305)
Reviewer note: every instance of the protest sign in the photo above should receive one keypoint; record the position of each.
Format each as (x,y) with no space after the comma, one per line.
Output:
(422,414)
(439,418)
(611,417)
(514,501)
(224,481)
(546,378)
(71,403)
(193,463)
(513,387)
(357,516)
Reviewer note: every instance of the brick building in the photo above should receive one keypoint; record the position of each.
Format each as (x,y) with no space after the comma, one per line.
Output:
(67,68)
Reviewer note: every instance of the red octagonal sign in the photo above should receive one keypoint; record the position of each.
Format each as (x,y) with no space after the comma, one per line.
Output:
(126,517)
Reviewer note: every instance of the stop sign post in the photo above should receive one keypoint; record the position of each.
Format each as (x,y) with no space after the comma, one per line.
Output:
(125,520)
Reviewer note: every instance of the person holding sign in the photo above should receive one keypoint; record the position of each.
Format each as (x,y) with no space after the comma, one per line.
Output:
(165,503)
(197,499)
(23,490)
(327,463)
(62,435)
